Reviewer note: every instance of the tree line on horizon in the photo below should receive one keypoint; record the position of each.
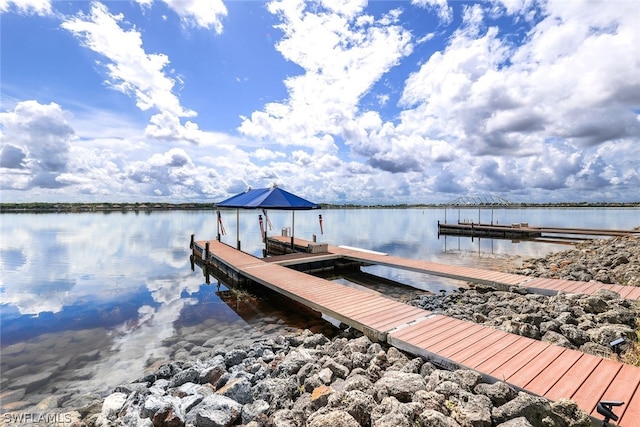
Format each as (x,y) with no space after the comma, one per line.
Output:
(142,206)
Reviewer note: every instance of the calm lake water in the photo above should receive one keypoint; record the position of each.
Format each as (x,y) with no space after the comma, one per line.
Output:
(89,300)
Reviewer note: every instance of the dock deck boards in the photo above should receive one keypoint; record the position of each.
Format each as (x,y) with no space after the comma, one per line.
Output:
(472,274)
(534,366)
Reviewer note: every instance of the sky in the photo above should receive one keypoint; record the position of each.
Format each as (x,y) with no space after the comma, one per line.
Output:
(337,101)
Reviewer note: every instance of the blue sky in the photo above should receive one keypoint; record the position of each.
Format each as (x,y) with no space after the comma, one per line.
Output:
(379,102)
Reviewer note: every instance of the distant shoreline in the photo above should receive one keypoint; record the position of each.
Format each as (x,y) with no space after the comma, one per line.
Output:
(38,207)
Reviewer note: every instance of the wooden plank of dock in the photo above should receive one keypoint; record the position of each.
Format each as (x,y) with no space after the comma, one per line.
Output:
(534,366)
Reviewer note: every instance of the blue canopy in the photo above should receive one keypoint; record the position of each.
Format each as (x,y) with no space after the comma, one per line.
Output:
(268,198)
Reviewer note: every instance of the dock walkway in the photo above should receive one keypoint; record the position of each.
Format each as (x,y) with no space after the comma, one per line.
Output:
(540,368)
(471,274)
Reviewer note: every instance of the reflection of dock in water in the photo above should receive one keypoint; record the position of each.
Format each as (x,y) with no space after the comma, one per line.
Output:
(243,304)
(260,305)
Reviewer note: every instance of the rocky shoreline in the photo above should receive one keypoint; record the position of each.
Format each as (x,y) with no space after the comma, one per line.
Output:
(307,379)
(615,260)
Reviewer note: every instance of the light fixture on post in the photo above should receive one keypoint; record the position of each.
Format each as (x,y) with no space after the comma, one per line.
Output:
(605,407)
(615,345)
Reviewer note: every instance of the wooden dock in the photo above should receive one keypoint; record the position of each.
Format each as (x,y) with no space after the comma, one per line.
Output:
(523,231)
(497,279)
(539,368)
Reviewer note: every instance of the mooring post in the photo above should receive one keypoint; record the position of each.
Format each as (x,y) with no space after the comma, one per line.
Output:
(191,243)
(206,252)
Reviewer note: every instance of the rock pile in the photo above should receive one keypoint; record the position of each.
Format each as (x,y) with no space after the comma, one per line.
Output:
(306,379)
(577,321)
(615,260)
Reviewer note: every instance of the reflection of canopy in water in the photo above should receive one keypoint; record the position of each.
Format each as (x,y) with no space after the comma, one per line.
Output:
(268,198)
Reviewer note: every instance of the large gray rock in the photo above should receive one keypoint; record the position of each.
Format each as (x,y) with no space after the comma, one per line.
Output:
(238,389)
(604,335)
(567,412)
(593,304)
(338,369)
(432,418)
(516,422)
(471,410)
(184,376)
(287,418)
(111,407)
(234,357)
(392,410)
(400,385)
(392,420)
(215,411)
(279,392)
(359,382)
(334,418)
(533,408)
(574,334)
(430,400)
(499,392)
(253,410)
(556,338)
(356,403)
(293,361)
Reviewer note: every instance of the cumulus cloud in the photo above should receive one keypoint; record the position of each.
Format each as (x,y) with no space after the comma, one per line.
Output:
(132,71)
(263,154)
(174,174)
(12,157)
(36,139)
(197,13)
(445,12)
(543,106)
(37,7)
(519,97)
(343,53)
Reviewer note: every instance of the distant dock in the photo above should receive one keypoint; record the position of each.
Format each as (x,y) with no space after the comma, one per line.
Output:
(523,231)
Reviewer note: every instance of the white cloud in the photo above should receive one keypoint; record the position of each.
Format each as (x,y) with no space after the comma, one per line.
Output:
(342,55)
(36,140)
(131,70)
(545,102)
(37,7)
(547,106)
(200,13)
(263,154)
(445,12)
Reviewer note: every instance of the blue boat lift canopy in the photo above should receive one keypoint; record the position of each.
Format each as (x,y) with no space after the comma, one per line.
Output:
(267,198)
